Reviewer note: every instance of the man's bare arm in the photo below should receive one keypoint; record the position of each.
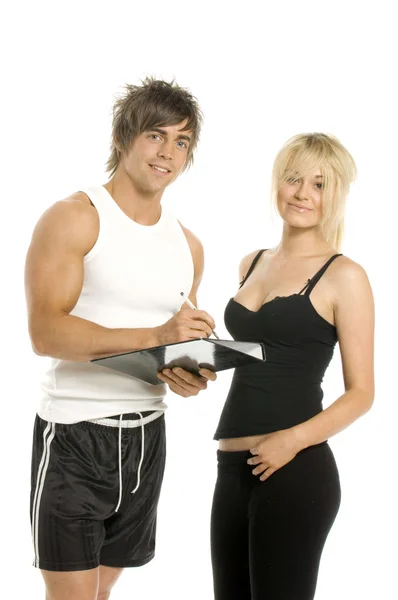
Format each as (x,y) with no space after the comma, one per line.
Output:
(54,279)
(182,382)
(198,260)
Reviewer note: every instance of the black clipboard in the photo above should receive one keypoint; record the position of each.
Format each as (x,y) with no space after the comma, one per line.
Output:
(208,353)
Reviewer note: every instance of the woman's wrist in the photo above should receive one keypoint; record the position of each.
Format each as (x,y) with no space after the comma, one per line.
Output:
(300,437)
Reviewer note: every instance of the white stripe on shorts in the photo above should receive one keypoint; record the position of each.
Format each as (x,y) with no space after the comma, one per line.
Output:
(41,475)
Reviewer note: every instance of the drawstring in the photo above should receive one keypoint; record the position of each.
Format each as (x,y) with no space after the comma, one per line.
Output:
(142,454)
(120,464)
(120,459)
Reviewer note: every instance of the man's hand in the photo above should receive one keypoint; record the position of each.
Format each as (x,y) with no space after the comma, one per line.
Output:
(186,384)
(274,452)
(187,324)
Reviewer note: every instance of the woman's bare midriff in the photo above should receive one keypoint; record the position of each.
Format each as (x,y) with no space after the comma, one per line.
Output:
(241,443)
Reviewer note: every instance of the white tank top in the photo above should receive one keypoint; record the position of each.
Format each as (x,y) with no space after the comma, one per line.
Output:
(133,277)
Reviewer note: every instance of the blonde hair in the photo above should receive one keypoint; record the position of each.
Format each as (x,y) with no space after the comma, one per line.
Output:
(306,152)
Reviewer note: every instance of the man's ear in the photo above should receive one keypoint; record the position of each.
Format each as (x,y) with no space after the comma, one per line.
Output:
(117,144)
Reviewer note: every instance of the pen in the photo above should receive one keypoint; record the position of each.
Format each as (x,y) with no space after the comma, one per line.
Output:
(187,300)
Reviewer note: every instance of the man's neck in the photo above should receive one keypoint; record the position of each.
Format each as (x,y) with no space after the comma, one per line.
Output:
(143,208)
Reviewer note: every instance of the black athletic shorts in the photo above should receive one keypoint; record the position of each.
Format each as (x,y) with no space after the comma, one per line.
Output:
(81,516)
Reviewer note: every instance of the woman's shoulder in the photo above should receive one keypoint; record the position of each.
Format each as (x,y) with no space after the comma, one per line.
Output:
(246,262)
(345,272)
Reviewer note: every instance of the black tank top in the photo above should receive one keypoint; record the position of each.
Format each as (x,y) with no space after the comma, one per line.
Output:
(285,389)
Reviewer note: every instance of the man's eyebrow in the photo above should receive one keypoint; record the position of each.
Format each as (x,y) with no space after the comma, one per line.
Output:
(158,130)
(164,132)
(184,137)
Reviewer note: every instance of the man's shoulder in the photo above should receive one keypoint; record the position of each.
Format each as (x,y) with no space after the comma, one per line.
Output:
(76,207)
(75,203)
(72,220)
(194,242)
(196,248)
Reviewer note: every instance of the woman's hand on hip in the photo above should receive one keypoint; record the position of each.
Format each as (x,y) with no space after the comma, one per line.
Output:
(277,449)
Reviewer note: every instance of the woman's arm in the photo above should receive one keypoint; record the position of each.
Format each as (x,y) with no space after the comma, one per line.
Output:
(354,319)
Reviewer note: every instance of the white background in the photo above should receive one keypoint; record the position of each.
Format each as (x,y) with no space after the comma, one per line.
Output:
(262,72)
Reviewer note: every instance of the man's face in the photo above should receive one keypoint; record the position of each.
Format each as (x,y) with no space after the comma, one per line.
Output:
(157,157)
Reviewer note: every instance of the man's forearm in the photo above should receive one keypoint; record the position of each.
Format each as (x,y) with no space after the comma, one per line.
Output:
(71,338)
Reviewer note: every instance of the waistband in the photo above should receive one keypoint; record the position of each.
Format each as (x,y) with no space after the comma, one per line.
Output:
(129,420)
(236,457)
(225,457)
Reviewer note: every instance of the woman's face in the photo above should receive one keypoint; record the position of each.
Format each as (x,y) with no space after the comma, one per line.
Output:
(300,200)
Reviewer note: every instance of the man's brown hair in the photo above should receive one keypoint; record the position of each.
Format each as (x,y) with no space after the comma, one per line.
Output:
(155,103)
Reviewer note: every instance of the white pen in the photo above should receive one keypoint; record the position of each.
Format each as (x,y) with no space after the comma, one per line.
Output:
(187,300)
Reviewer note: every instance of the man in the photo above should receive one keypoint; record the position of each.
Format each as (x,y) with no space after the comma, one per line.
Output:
(104,274)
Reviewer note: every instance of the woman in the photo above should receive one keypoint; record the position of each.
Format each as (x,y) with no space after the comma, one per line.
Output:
(277,492)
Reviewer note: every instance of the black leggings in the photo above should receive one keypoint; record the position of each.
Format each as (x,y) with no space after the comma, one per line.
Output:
(267,537)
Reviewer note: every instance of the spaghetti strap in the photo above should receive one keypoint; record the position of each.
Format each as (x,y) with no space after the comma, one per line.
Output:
(255,260)
(311,283)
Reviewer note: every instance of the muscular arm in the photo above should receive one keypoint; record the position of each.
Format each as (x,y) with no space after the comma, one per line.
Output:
(182,382)
(53,282)
(198,263)
(354,317)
